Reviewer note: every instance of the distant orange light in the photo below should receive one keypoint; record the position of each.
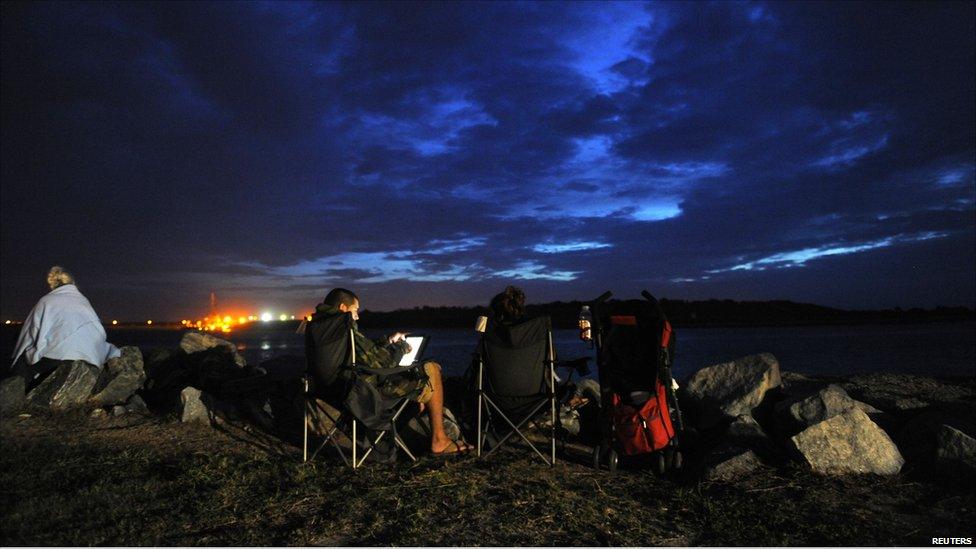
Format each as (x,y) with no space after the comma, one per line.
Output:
(227,320)
(114,322)
(241,320)
(149,322)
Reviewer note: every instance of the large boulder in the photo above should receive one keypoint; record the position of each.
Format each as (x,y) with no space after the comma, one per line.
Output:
(745,433)
(192,408)
(121,378)
(135,405)
(70,385)
(919,438)
(955,446)
(848,443)
(196,406)
(732,465)
(12,395)
(195,342)
(734,388)
(904,393)
(798,413)
(740,450)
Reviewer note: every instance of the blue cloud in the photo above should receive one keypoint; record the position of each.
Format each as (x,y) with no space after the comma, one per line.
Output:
(567,146)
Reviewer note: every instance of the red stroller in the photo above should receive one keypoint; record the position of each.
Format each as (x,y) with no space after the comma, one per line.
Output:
(639,410)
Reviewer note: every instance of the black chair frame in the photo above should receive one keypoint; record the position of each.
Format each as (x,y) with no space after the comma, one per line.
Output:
(347,424)
(488,407)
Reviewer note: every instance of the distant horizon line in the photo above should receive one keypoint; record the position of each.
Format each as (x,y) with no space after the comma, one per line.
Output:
(297,318)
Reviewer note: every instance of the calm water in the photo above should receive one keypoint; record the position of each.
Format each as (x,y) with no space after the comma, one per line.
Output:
(932,349)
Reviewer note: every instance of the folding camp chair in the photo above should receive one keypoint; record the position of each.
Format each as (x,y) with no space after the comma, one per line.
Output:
(330,346)
(516,380)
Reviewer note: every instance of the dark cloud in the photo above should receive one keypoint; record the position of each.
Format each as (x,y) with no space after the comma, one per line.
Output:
(433,153)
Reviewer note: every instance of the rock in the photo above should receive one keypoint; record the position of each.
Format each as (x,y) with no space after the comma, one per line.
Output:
(194,342)
(416,433)
(320,417)
(196,406)
(99,413)
(918,438)
(191,407)
(136,405)
(745,433)
(954,446)
(118,410)
(734,466)
(12,397)
(744,429)
(848,443)
(797,384)
(121,378)
(900,393)
(798,413)
(70,385)
(161,356)
(733,388)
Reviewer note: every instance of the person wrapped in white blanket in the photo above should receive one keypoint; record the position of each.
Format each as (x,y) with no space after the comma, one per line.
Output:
(62,326)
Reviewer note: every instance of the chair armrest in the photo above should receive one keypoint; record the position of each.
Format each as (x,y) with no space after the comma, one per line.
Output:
(579,364)
(384,372)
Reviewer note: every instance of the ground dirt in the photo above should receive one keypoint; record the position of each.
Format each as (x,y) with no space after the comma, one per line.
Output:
(67,479)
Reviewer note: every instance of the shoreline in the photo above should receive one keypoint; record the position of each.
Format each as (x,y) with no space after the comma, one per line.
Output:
(162,482)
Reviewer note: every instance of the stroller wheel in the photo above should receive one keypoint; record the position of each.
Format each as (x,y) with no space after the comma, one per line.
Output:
(597,450)
(612,460)
(660,463)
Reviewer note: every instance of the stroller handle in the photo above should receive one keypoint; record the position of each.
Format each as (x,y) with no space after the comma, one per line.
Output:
(657,304)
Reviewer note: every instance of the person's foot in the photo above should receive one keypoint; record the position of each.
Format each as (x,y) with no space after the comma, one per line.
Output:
(577,401)
(449,447)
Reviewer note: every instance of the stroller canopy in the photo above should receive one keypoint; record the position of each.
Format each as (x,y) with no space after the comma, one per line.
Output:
(632,346)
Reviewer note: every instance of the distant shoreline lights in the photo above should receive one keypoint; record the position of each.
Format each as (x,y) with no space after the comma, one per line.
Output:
(226,323)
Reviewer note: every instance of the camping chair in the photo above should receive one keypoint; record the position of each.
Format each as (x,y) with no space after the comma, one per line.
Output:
(328,344)
(516,380)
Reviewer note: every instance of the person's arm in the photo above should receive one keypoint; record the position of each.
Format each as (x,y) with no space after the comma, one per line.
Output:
(26,346)
(380,354)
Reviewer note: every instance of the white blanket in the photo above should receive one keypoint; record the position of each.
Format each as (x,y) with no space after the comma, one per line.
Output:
(63,326)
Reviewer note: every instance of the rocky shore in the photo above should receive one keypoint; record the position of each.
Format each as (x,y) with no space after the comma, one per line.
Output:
(856,448)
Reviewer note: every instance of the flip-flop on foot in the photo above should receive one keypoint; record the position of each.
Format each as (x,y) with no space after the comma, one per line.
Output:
(453,448)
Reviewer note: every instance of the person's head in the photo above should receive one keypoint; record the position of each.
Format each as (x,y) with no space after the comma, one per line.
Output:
(509,305)
(57,277)
(344,300)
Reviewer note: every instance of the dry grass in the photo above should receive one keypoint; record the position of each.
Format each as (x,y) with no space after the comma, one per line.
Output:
(70,480)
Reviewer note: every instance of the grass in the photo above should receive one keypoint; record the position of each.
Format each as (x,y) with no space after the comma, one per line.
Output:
(70,480)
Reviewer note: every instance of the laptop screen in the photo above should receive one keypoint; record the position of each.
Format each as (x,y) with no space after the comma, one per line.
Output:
(417,344)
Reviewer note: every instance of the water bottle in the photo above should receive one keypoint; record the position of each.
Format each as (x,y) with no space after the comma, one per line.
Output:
(585,323)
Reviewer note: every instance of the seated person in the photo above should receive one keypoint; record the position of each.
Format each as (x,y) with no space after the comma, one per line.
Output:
(385,353)
(508,307)
(61,327)
(576,399)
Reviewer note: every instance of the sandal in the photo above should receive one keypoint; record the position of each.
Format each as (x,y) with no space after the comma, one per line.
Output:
(458,450)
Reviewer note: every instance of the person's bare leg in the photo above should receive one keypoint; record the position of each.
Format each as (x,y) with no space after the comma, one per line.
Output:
(439,441)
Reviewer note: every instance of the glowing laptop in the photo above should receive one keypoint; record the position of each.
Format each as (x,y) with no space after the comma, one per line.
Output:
(417,345)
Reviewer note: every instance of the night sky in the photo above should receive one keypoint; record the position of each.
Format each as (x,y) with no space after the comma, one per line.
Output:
(434,153)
